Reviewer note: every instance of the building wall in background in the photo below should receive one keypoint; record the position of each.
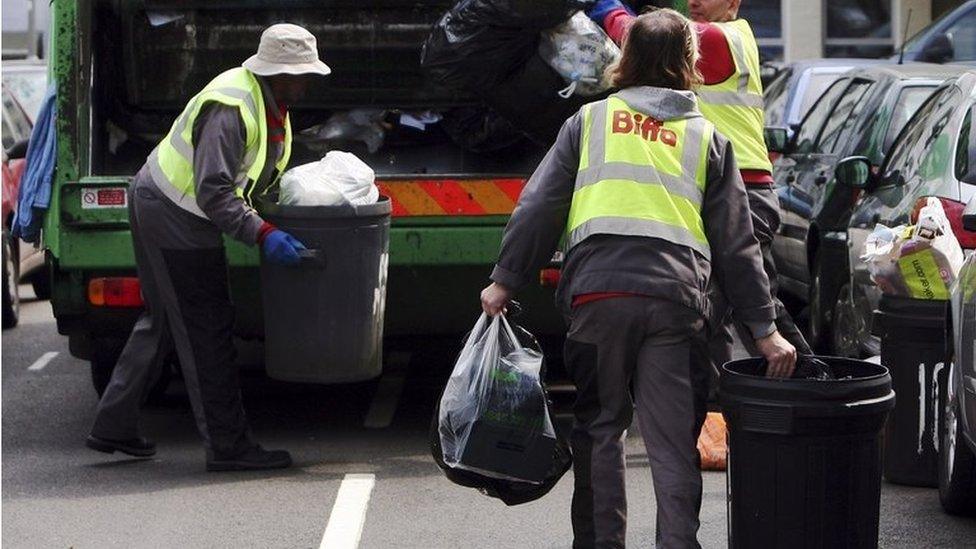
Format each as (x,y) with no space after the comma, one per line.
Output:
(15,26)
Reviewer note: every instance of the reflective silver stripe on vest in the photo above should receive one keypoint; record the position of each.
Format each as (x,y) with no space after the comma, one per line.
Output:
(165,186)
(734,99)
(186,149)
(739,52)
(647,175)
(636,227)
(598,133)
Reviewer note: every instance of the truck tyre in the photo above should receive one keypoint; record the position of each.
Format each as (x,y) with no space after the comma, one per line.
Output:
(11,274)
(957,465)
(41,282)
(105,352)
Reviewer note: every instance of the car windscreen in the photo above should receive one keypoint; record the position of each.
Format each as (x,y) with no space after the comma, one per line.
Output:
(816,85)
(909,100)
(919,147)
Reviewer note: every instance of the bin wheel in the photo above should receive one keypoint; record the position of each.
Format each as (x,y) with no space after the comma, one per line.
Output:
(957,465)
(11,275)
(105,352)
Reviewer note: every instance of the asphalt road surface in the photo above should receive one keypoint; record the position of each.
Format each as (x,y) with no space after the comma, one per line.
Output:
(363,475)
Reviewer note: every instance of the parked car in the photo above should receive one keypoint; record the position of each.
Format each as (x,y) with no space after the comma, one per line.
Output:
(931,157)
(859,115)
(798,85)
(949,39)
(957,452)
(21,261)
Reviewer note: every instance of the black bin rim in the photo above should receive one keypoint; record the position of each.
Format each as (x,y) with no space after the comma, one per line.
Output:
(381,208)
(873,383)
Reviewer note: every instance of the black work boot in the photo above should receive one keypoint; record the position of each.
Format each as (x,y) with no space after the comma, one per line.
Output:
(253,459)
(138,447)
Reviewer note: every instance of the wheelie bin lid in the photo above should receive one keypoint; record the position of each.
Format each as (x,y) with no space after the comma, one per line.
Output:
(381,208)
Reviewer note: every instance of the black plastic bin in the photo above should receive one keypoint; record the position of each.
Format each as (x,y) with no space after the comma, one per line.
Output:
(913,347)
(323,319)
(804,466)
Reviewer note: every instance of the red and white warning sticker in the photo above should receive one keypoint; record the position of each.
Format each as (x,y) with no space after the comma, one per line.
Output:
(103,197)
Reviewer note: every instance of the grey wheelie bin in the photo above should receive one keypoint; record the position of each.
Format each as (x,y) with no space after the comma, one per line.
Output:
(323,319)
(804,465)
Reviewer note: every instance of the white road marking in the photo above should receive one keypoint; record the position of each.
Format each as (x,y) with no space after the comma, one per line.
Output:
(345,527)
(384,404)
(40,363)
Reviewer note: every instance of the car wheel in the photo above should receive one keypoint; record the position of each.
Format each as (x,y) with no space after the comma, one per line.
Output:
(11,274)
(957,465)
(821,309)
(105,353)
(844,331)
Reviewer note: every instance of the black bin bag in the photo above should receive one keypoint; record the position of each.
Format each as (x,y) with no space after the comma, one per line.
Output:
(492,428)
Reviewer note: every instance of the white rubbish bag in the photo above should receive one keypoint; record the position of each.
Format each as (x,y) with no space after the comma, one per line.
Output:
(339,178)
(580,51)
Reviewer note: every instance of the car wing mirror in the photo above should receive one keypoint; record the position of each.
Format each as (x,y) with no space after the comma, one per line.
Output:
(777,139)
(17,150)
(854,171)
(969,216)
(938,50)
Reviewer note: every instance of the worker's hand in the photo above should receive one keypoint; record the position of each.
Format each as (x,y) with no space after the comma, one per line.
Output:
(779,353)
(495,299)
(282,248)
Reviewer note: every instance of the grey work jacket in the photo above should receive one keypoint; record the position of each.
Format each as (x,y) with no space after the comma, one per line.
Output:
(641,265)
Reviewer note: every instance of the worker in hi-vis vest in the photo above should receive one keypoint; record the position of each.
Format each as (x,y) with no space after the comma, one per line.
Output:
(229,145)
(731,98)
(648,202)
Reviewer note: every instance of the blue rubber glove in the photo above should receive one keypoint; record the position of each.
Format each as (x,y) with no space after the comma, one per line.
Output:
(282,248)
(602,9)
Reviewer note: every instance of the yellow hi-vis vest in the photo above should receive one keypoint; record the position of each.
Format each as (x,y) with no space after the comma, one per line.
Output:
(735,106)
(171,162)
(640,177)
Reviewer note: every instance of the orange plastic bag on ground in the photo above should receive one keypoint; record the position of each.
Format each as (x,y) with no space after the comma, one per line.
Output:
(712,444)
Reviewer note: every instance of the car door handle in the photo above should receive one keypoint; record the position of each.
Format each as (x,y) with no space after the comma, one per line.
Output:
(820,180)
(790,178)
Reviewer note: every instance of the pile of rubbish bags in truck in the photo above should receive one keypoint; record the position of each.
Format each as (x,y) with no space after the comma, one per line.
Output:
(532,62)
(919,261)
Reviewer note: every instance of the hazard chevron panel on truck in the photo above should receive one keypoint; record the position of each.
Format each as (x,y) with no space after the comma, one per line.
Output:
(449,197)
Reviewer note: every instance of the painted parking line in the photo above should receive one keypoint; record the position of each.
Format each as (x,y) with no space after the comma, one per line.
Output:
(42,362)
(384,405)
(345,527)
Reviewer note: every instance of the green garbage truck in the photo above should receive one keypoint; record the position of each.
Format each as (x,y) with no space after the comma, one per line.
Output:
(125,68)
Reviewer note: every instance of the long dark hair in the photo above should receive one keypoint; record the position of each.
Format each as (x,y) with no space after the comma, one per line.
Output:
(661,50)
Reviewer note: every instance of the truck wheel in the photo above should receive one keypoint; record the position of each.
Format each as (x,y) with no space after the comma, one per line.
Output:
(11,274)
(105,354)
(41,282)
(957,465)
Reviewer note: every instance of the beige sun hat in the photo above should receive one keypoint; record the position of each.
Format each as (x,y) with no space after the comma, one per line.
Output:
(286,49)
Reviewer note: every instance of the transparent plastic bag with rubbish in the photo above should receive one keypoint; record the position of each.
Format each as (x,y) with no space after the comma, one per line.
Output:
(494,417)
(338,178)
(580,51)
(919,261)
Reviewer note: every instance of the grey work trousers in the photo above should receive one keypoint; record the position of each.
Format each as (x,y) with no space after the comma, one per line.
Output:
(643,343)
(182,269)
(717,350)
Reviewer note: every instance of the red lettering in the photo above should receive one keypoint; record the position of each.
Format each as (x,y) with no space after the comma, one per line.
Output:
(622,122)
(650,129)
(668,137)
